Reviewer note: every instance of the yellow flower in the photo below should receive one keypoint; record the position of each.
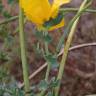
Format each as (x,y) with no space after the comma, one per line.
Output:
(41,11)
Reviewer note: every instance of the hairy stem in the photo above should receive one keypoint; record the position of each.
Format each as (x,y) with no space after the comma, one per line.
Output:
(23,52)
(66,48)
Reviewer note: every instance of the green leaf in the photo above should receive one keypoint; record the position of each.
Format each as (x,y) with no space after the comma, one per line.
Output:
(6,14)
(52,60)
(20,92)
(4,56)
(9,41)
(43,85)
(53,83)
(32,94)
(49,94)
(1,7)
(10,1)
(46,38)
(1,92)
(3,31)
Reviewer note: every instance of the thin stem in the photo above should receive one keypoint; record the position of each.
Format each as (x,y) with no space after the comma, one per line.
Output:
(47,72)
(9,20)
(76,9)
(23,53)
(47,53)
(66,48)
(46,48)
(48,66)
(67,30)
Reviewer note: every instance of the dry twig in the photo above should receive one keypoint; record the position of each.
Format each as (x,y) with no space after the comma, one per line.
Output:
(81,74)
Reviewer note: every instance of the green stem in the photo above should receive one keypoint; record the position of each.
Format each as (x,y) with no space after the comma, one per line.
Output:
(46,77)
(62,39)
(48,66)
(47,53)
(23,53)
(66,48)
(47,72)
(76,9)
(9,20)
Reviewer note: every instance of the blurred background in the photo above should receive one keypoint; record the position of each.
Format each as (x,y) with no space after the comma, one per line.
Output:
(80,71)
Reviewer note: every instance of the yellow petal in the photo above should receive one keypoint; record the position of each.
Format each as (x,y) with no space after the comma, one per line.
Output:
(56,5)
(61,24)
(60,2)
(36,10)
